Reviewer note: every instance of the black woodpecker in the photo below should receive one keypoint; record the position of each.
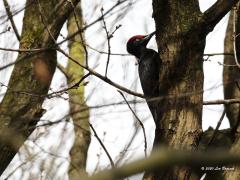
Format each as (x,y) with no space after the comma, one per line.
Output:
(148,69)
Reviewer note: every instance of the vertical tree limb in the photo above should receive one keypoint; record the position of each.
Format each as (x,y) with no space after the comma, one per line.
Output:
(231,73)
(231,76)
(19,112)
(79,150)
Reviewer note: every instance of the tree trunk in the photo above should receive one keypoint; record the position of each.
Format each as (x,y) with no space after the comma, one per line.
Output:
(20,108)
(78,108)
(181,30)
(231,76)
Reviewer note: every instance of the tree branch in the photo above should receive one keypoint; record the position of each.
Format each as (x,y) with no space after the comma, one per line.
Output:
(217,127)
(216,12)
(163,158)
(223,101)
(10,17)
(119,2)
(139,121)
(102,145)
(235,36)
(107,80)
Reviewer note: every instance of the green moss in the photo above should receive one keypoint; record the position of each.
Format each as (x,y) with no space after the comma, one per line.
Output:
(77,101)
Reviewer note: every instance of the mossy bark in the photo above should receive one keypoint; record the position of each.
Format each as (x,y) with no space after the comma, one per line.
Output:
(78,108)
(20,108)
(180,46)
(181,30)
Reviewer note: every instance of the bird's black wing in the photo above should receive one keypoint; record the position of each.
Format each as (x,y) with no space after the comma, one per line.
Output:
(149,68)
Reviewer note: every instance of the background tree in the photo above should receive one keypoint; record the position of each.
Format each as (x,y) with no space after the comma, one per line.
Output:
(78,107)
(21,108)
(231,75)
(231,72)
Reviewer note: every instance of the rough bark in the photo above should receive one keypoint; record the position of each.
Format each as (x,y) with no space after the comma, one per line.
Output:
(181,79)
(20,108)
(231,76)
(181,30)
(78,108)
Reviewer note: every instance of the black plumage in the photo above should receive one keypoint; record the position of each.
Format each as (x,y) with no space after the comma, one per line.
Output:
(148,69)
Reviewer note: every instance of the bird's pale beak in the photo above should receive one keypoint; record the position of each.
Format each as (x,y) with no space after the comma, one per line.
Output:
(148,37)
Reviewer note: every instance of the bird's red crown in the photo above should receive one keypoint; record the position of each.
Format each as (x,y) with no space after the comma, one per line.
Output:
(136,37)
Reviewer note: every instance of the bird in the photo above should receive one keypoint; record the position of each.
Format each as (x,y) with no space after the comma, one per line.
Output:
(149,64)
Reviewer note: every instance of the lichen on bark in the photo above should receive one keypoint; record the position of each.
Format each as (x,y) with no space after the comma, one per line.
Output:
(21,108)
(78,108)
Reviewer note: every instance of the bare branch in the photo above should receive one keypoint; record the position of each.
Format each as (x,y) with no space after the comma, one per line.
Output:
(63,70)
(6,30)
(218,54)
(107,80)
(80,34)
(163,158)
(217,127)
(10,16)
(108,41)
(139,121)
(223,101)
(26,50)
(44,21)
(215,13)
(119,2)
(74,86)
(235,36)
(103,146)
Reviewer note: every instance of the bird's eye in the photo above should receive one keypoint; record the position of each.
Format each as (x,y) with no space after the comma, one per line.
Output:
(137,39)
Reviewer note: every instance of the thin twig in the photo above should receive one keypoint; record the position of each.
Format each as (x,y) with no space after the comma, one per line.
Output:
(6,30)
(26,50)
(108,41)
(28,4)
(50,95)
(45,22)
(222,101)
(218,54)
(21,58)
(217,127)
(163,158)
(63,70)
(10,16)
(136,127)
(21,165)
(226,65)
(103,146)
(103,52)
(74,86)
(109,36)
(234,36)
(139,121)
(97,167)
(80,33)
(119,2)
(92,72)
(107,80)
